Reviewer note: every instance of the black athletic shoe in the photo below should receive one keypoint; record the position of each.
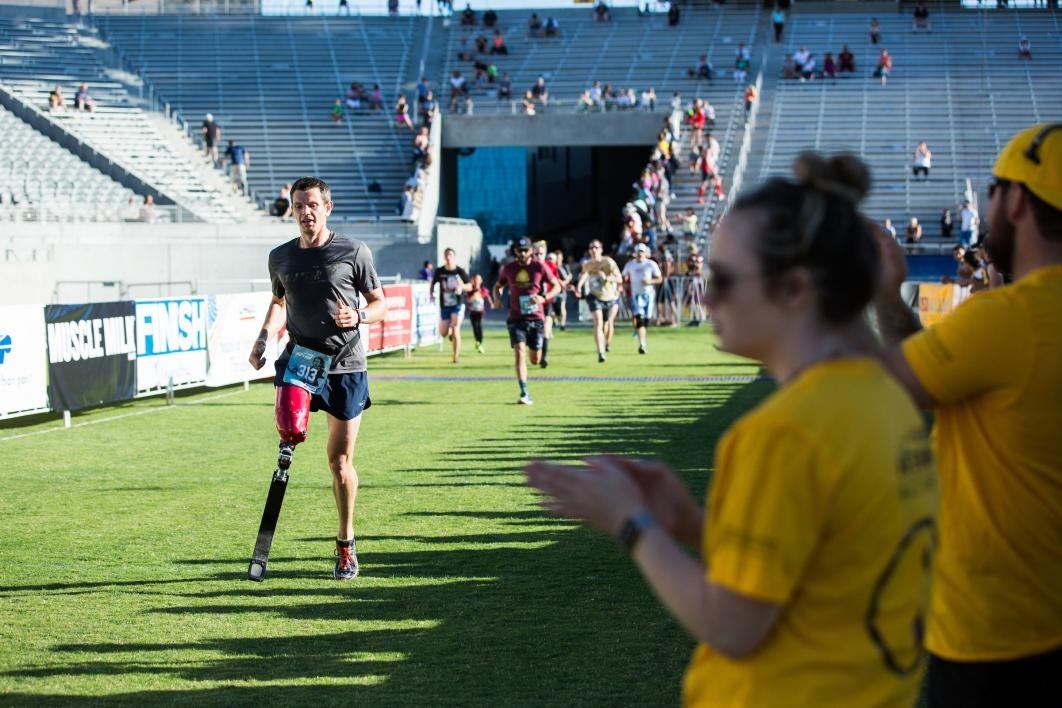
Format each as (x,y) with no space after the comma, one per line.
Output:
(544,363)
(600,357)
(346,561)
(641,350)
(608,348)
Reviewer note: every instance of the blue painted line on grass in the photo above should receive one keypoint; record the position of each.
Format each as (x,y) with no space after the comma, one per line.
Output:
(582,379)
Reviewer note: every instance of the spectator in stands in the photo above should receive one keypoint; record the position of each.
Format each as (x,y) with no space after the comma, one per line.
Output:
(498,44)
(534,25)
(392,8)
(969,223)
(337,111)
(807,71)
(649,99)
(946,225)
(427,272)
(673,14)
(308,7)
(704,68)
(829,67)
(421,146)
(211,133)
(778,21)
(689,223)
(458,89)
(490,19)
(585,104)
(148,213)
(601,13)
(789,67)
(428,109)
(239,159)
(468,16)
(884,66)
(913,232)
(82,100)
(922,161)
(354,96)
(800,57)
(282,204)
(920,18)
(529,103)
(402,118)
(889,228)
(376,98)
(846,60)
(874,31)
(552,28)
(56,102)
(422,90)
(741,69)
(696,118)
(750,98)
(407,204)
(1024,47)
(344,5)
(539,91)
(991,370)
(505,87)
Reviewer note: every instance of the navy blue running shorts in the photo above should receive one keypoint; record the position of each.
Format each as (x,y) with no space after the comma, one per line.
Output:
(344,396)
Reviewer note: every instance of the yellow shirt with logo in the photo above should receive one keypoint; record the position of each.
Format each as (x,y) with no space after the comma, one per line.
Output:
(995,367)
(601,283)
(823,501)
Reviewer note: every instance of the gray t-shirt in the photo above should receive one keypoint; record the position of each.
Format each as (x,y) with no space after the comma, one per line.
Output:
(312,282)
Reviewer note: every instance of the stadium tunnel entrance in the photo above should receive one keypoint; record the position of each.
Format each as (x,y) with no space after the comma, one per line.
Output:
(562,178)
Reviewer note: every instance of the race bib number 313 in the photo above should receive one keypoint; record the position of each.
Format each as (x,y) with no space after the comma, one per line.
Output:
(307,369)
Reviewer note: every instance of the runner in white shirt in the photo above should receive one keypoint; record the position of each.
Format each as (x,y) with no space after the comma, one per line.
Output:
(643,275)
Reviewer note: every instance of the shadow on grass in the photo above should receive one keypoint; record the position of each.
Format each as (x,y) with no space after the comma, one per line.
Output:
(566,622)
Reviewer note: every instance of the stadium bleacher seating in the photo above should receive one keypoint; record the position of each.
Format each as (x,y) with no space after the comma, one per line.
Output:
(271,82)
(961,88)
(39,54)
(41,181)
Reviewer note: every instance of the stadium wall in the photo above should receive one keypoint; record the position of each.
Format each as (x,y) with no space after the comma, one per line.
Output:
(42,263)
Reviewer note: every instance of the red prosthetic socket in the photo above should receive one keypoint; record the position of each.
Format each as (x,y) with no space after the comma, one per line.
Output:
(292,413)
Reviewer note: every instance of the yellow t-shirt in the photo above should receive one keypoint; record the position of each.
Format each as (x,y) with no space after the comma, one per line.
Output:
(600,284)
(823,501)
(995,367)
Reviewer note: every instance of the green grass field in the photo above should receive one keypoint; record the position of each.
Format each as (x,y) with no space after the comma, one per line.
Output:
(125,541)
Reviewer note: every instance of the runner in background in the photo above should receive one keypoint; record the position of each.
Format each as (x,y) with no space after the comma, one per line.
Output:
(454,284)
(601,277)
(478,299)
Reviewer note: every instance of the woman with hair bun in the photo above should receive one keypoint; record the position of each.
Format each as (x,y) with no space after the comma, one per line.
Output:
(815,558)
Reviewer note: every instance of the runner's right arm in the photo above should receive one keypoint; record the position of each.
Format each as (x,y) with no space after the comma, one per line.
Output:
(275,319)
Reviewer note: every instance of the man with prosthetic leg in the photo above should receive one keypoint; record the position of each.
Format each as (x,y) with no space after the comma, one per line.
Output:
(318,282)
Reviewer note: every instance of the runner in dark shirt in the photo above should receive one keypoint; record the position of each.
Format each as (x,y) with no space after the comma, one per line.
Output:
(453,283)
(318,281)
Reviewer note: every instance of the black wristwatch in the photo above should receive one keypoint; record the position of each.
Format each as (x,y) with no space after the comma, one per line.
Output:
(633,528)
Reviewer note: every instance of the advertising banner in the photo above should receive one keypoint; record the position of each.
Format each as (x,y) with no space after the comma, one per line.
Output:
(936,300)
(233,323)
(396,330)
(91,354)
(425,315)
(171,342)
(23,359)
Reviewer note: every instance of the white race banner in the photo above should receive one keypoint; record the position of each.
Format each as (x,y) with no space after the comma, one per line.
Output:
(233,323)
(23,359)
(425,315)
(171,342)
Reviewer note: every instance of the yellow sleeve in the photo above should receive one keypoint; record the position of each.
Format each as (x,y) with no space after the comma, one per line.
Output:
(766,512)
(976,347)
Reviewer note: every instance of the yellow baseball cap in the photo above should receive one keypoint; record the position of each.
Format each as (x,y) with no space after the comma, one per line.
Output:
(1034,158)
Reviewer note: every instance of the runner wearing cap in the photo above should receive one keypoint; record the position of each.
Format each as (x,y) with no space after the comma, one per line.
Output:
(643,275)
(992,372)
(530,285)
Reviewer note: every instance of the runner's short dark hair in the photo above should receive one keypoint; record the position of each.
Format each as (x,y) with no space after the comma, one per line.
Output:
(305,184)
